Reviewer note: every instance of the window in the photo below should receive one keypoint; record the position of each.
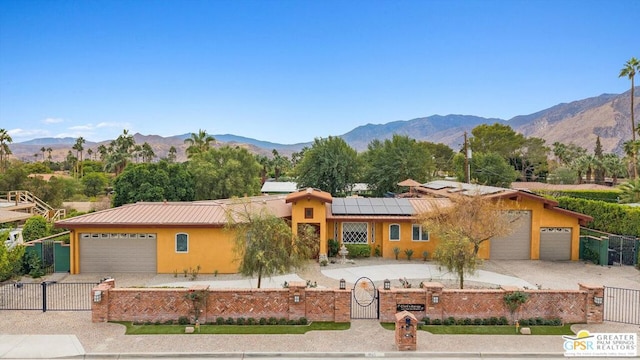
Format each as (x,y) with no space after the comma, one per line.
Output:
(394,232)
(182,243)
(308,213)
(354,233)
(419,234)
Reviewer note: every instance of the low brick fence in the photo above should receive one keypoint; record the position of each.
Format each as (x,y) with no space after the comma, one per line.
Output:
(297,301)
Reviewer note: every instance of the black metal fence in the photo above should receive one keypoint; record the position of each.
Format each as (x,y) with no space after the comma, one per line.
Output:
(46,296)
(622,305)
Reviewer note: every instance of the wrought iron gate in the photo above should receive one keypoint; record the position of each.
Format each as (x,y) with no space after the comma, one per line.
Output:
(622,305)
(622,250)
(48,256)
(364,300)
(46,296)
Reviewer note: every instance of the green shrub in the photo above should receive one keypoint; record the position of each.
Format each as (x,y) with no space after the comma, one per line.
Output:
(436,322)
(283,321)
(467,321)
(251,321)
(610,196)
(272,321)
(477,321)
(262,321)
(607,217)
(449,321)
(241,321)
(396,252)
(168,322)
(409,253)
(230,321)
(303,321)
(219,320)
(493,320)
(333,247)
(359,250)
(377,251)
(426,320)
(425,255)
(523,322)
(183,320)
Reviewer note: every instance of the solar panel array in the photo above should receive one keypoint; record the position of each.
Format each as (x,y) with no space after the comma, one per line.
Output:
(371,206)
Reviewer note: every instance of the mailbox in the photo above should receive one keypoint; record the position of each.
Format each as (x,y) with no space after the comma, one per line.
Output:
(406,331)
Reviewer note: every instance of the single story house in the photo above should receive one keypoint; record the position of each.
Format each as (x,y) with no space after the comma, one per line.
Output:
(167,237)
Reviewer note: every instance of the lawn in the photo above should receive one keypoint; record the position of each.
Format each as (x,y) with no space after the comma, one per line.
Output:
(233,329)
(488,329)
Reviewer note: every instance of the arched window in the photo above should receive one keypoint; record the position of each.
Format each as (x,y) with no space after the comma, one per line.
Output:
(182,243)
(394,232)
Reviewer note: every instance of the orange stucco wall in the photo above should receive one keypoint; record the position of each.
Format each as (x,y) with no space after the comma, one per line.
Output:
(211,248)
(319,218)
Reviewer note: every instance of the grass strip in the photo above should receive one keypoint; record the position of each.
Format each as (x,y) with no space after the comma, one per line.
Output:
(488,329)
(232,329)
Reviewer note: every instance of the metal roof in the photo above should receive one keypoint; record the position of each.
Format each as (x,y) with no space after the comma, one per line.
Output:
(279,187)
(463,188)
(205,213)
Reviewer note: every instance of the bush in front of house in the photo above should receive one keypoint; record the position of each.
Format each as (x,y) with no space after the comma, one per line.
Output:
(492,321)
(358,250)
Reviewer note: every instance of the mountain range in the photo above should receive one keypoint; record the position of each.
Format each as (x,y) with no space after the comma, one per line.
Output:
(578,122)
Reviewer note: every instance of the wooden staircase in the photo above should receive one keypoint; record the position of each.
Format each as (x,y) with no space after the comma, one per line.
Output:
(25,201)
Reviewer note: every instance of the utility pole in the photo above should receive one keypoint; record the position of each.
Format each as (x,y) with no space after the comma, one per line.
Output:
(467,170)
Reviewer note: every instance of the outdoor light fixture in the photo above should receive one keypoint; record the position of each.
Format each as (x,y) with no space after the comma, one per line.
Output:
(598,300)
(97,296)
(387,284)
(296,298)
(343,284)
(435,299)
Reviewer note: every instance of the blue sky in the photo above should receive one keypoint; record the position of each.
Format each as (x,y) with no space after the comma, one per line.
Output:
(291,71)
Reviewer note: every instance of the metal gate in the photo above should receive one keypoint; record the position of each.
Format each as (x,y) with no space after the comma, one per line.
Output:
(46,296)
(622,305)
(47,256)
(364,300)
(622,250)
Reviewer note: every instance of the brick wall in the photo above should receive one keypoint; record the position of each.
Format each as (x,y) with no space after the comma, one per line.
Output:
(161,304)
(572,306)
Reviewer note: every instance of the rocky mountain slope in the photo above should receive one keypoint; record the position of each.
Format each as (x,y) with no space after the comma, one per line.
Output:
(580,122)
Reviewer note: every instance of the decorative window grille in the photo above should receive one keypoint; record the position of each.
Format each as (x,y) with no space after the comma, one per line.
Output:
(354,233)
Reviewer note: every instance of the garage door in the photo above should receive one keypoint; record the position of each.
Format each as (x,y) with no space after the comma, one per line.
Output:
(517,245)
(100,253)
(555,244)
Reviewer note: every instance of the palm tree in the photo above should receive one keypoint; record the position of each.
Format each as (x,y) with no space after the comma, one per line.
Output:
(630,192)
(629,70)
(79,149)
(43,150)
(5,140)
(614,167)
(171,157)
(49,150)
(89,153)
(198,143)
(147,153)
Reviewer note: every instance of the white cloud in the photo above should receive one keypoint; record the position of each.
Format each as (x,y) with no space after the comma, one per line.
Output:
(87,127)
(113,125)
(52,120)
(19,135)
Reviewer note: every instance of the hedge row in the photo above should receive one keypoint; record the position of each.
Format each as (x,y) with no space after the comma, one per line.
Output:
(358,250)
(610,196)
(183,320)
(492,321)
(607,217)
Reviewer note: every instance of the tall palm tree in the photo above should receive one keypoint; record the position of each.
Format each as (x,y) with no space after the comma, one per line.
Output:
(199,143)
(43,150)
(5,140)
(614,167)
(49,150)
(629,70)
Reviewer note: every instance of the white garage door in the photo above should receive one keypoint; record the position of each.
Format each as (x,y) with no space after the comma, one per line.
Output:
(555,244)
(100,253)
(517,245)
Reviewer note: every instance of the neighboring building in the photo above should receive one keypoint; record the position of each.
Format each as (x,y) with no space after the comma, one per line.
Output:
(173,237)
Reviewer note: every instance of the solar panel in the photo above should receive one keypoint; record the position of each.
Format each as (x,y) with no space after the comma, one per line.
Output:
(371,206)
